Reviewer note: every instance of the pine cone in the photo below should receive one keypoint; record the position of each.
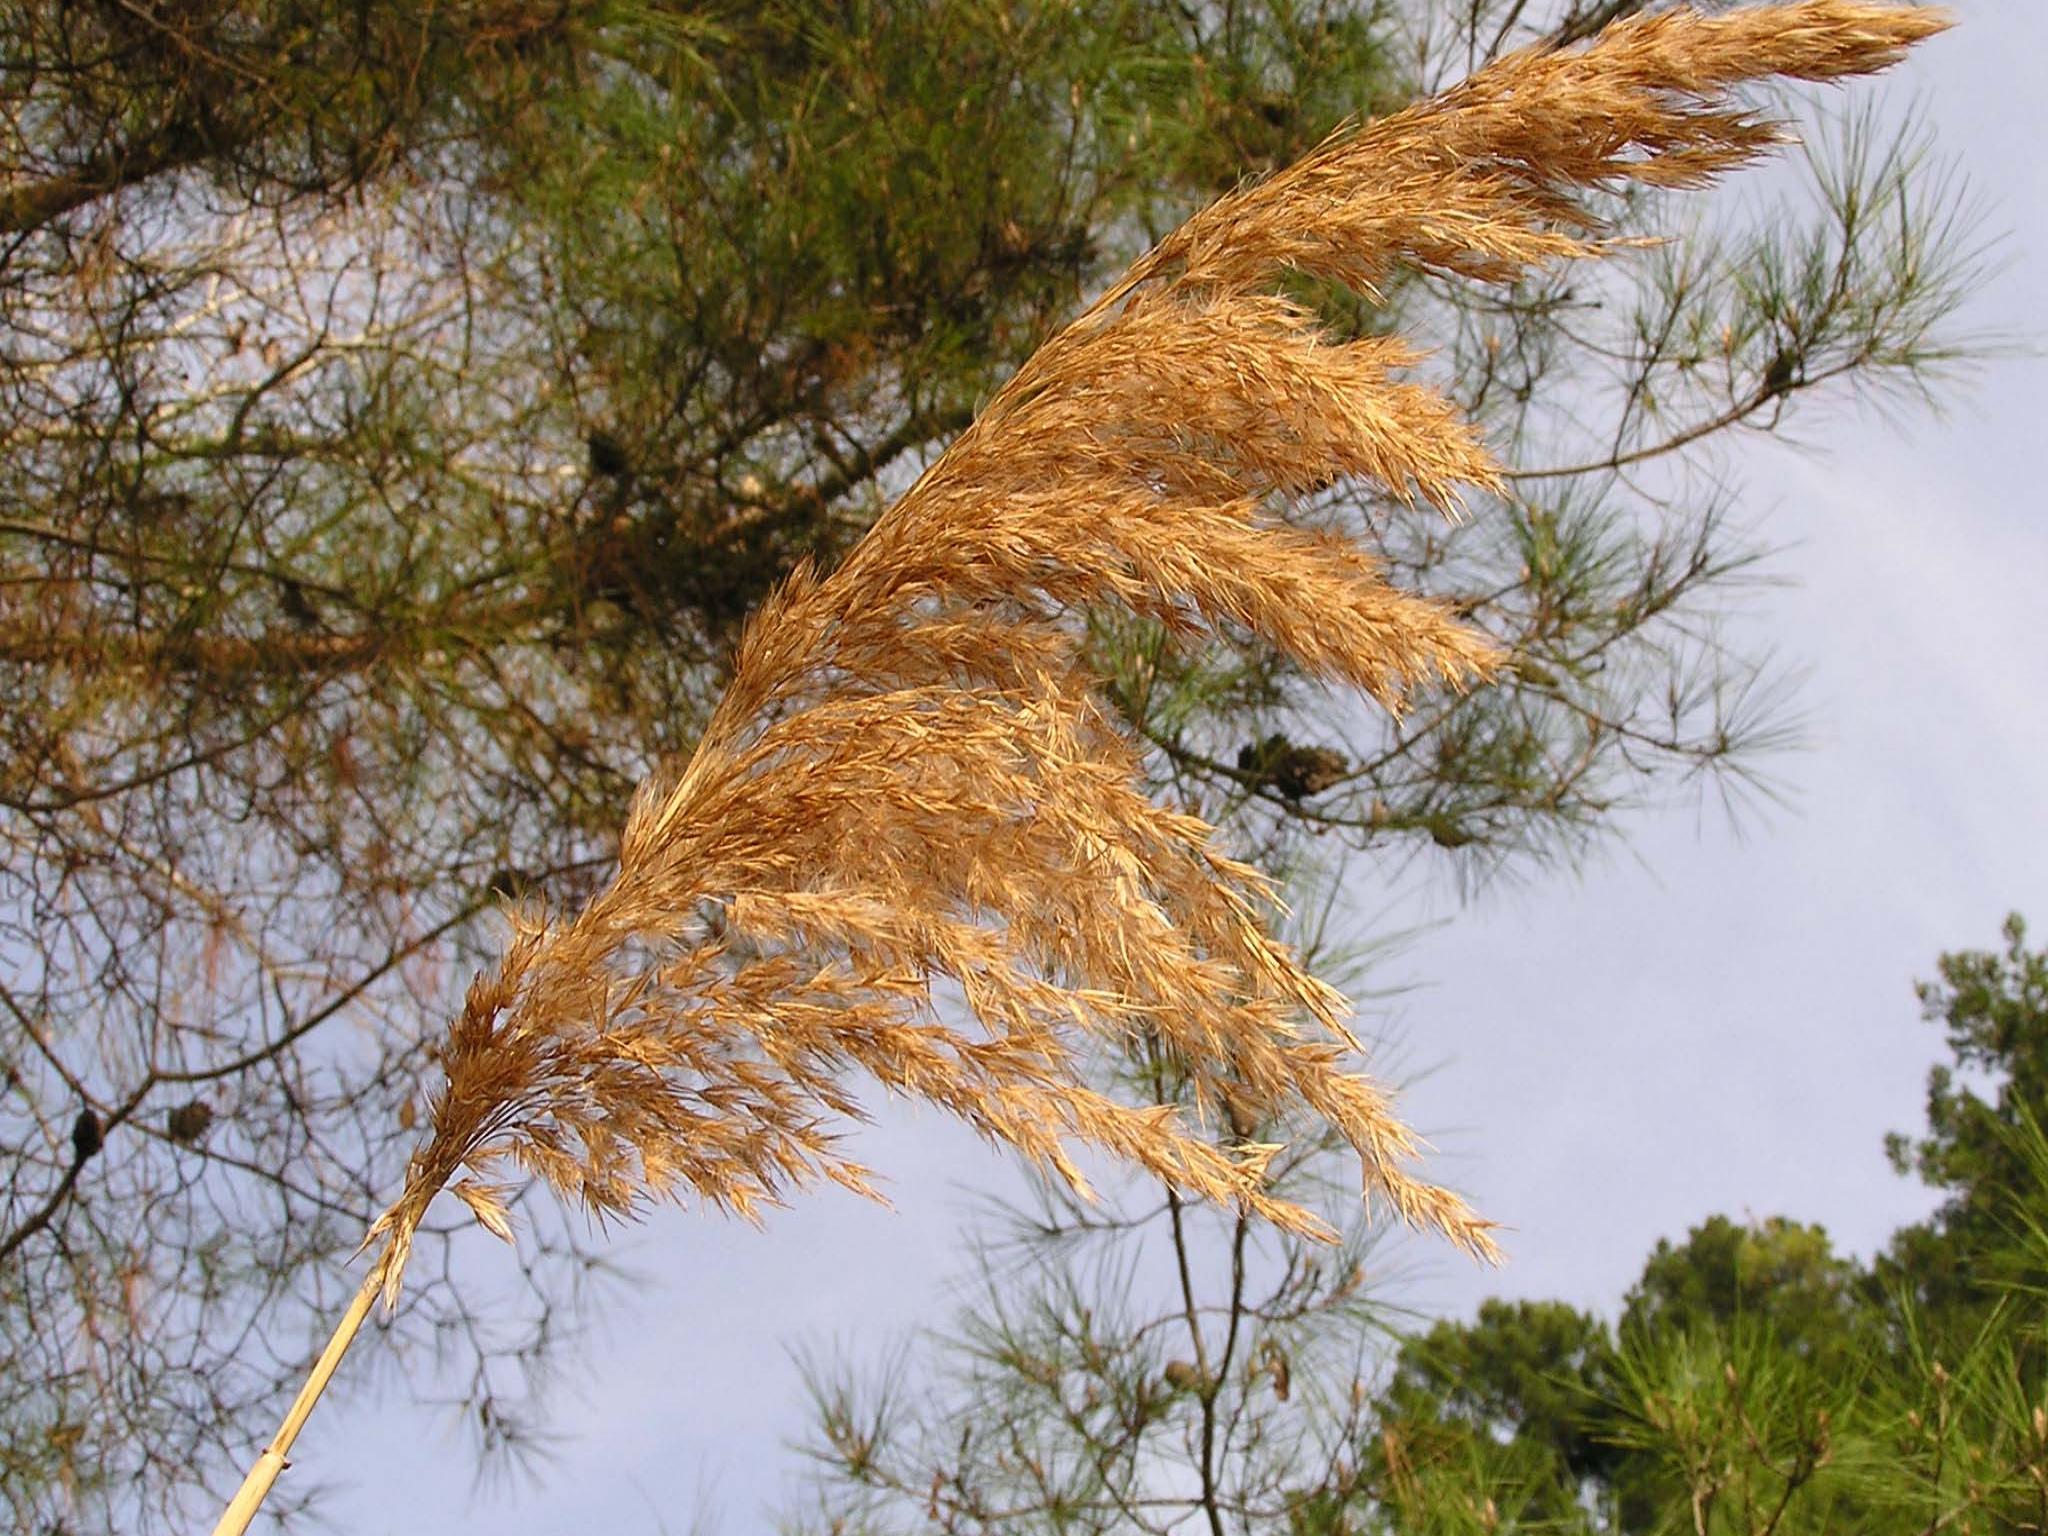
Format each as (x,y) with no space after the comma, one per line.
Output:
(1294,770)
(188,1122)
(85,1135)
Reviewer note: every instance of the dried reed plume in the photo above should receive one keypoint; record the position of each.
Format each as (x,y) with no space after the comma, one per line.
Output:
(913,774)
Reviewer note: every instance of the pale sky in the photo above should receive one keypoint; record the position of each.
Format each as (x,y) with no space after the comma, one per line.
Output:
(1700,1023)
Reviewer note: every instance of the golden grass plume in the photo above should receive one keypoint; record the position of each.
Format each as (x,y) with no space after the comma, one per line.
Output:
(913,774)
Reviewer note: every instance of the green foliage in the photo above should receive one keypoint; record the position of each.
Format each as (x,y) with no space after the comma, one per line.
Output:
(804,249)
(1513,1394)
(1992,1006)
(1757,1382)
(1719,1426)
(1776,1273)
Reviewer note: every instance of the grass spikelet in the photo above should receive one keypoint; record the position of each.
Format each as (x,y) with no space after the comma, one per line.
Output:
(912,776)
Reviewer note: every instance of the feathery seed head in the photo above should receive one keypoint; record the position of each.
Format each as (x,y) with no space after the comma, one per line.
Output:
(913,775)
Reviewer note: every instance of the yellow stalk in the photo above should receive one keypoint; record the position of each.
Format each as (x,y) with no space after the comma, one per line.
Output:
(256,1486)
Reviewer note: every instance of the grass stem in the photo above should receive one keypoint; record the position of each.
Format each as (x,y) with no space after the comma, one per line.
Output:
(256,1486)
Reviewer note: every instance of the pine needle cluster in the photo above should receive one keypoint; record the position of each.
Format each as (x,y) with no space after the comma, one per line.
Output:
(914,776)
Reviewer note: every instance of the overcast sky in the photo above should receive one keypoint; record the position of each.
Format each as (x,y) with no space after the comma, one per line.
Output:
(1701,1023)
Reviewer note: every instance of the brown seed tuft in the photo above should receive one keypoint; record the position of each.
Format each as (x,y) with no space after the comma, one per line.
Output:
(913,775)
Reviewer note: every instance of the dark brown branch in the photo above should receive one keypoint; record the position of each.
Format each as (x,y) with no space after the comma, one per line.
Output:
(27,206)
(45,1214)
